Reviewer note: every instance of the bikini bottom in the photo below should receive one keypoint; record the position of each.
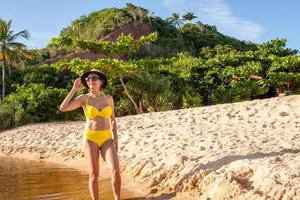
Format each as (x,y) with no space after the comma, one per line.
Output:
(97,136)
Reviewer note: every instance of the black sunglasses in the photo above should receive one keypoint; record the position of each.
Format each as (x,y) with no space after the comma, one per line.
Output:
(93,78)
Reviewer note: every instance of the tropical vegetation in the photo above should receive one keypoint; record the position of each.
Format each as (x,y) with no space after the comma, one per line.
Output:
(11,51)
(184,65)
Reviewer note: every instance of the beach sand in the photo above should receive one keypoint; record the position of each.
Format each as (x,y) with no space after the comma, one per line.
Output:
(248,150)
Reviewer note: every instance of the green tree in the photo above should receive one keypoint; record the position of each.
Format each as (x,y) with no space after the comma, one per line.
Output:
(175,20)
(189,17)
(78,24)
(151,91)
(124,45)
(138,14)
(9,46)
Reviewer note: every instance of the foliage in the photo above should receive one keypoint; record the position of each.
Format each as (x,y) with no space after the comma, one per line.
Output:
(173,36)
(9,115)
(187,66)
(40,103)
(152,91)
(11,51)
(226,74)
(124,45)
(175,20)
(99,23)
(189,16)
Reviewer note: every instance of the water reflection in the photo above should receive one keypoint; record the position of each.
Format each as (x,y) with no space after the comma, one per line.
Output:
(31,180)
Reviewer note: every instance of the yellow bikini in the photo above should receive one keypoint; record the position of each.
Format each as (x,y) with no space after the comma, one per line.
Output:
(97,136)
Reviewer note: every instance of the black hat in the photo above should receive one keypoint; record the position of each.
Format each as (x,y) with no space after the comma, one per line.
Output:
(94,71)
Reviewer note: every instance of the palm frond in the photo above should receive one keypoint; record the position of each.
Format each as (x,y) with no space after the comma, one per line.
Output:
(16,45)
(25,34)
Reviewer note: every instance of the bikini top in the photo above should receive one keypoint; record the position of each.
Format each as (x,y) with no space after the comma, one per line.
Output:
(91,112)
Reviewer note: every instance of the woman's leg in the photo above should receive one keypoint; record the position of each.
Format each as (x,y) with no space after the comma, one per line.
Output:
(110,155)
(91,151)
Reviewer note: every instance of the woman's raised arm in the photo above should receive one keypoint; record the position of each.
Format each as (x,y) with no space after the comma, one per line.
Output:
(67,104)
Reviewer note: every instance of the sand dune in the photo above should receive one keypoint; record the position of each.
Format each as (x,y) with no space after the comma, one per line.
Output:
(248,150)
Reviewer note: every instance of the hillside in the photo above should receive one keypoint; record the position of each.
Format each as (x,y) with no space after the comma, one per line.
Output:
(108,24)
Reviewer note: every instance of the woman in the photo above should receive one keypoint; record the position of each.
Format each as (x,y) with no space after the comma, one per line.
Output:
(100,120)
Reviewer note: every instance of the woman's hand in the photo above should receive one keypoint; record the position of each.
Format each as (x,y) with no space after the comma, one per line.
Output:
(76,85)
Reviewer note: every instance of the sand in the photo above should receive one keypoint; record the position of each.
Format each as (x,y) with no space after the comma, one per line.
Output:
(248,150)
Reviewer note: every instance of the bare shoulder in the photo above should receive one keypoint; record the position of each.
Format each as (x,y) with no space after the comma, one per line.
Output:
(82,97)
(110,98)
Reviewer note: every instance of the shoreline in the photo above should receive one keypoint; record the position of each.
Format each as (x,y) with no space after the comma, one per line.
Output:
(246,150)
(129,188)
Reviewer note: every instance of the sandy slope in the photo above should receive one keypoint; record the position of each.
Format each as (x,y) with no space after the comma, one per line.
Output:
(248,150)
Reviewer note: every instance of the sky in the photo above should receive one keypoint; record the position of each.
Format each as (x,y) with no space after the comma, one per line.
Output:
(257,20)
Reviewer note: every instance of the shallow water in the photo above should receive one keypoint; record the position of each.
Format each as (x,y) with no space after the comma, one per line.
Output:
(20,179)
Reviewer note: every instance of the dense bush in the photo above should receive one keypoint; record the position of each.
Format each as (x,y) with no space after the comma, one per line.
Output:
(9,115)
(34,103)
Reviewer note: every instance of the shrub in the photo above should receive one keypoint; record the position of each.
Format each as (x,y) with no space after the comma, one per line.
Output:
(39,102)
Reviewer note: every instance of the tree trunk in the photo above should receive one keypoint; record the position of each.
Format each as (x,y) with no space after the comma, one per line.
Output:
(206,100)
(137,110)
(3,75)
(140,106)
(9,70)
(155,105)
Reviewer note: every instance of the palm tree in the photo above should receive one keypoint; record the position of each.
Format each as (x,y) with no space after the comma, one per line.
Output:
(151,92)
(19,56)
(9,45)
(175,20)
(189,16)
